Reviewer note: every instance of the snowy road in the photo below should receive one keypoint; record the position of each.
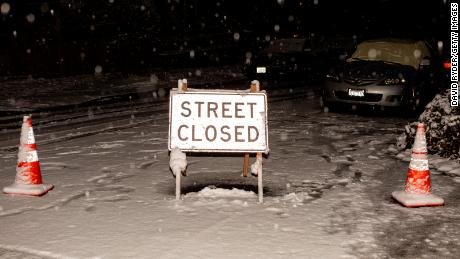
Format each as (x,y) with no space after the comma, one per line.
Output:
(328,183)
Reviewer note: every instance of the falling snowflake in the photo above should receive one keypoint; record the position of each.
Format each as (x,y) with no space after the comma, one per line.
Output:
(154,79)
(90,113)
(372,54)
(98,69)
(248,57)
(161,93)
(5,8)
(236,36)
(440,45)
(284,136)
(30,18)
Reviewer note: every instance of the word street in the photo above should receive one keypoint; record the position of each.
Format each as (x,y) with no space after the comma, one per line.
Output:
(224,109)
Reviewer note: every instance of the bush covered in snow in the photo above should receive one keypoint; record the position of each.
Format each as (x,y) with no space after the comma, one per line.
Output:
(442,128)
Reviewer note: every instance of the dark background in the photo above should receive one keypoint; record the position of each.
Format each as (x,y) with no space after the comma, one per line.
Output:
(69,37)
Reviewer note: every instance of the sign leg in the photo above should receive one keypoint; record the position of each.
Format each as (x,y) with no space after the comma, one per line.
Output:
(260,185)
(178,175)
(246,164)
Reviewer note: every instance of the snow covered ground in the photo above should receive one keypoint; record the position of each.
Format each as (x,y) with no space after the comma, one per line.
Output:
(327,183)
(38,93)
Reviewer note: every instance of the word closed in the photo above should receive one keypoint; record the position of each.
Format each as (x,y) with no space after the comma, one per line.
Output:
(218,121)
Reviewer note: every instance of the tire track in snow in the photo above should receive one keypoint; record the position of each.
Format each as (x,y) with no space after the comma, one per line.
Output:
(9,251)
(55,204)
(103,183)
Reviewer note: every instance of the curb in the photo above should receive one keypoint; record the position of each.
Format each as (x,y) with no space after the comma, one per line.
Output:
(442,165)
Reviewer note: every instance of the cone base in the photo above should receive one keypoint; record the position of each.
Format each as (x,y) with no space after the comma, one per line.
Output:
(417,200)
(23,189)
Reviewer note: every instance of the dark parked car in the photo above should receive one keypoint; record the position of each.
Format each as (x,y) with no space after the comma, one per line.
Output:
(290,58)
(385,73)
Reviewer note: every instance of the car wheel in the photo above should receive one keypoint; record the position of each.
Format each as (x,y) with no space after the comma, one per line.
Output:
(413,102)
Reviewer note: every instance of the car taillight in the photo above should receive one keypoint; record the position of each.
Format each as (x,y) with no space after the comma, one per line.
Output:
(447,64)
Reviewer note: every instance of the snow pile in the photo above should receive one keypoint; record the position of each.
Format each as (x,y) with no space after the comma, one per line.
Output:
(256,167)
(181,83)
(297,197)
(177,161)
(212,192)
(442,124)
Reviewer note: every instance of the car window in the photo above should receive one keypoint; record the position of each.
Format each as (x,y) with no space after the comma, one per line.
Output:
(405,53)
(285,45)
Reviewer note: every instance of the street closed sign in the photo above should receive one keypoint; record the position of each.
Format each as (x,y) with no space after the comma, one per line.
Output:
(218,121)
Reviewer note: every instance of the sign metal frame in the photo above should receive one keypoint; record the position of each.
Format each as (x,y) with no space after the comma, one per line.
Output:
(253,91)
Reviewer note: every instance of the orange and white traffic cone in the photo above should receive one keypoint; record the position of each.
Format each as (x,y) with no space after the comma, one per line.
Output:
(28,176)
(417,192)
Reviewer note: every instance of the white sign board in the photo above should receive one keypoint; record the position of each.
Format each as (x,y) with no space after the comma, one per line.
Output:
(218,121)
